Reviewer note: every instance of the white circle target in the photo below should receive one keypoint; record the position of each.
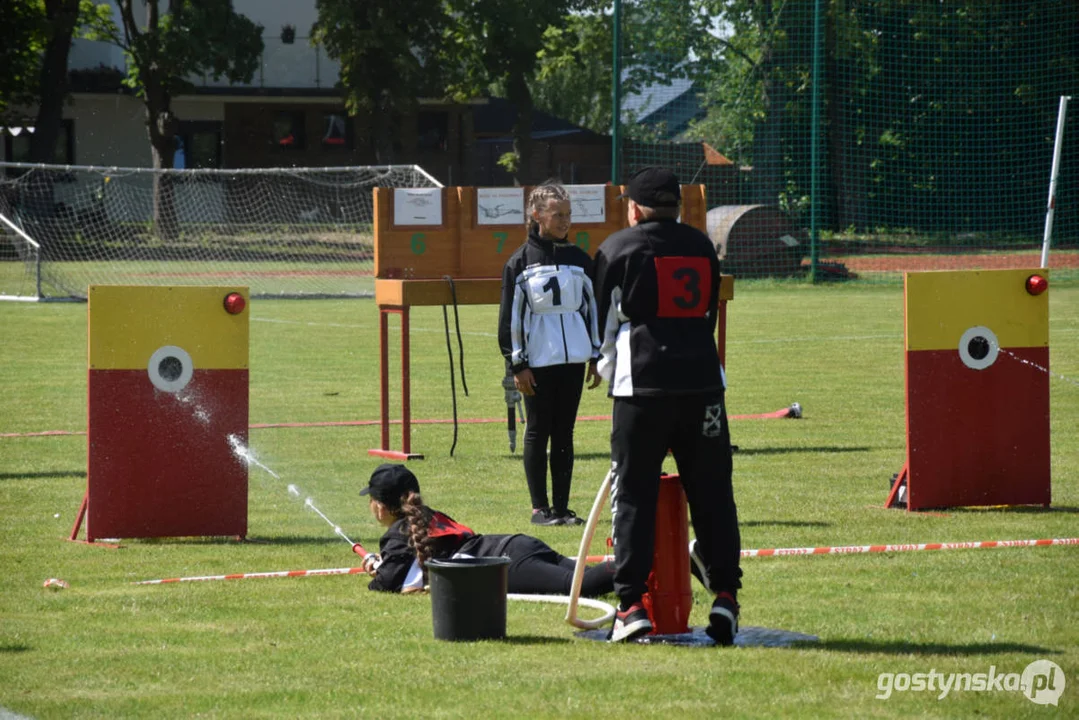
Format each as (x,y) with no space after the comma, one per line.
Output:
(979,347)
(170,368)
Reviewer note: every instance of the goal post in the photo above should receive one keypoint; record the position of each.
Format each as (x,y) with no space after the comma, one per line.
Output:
(20,275)
(283,232)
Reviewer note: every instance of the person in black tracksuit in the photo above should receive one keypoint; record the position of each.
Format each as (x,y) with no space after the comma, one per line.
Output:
(657,289)
(548,335)
(417,533)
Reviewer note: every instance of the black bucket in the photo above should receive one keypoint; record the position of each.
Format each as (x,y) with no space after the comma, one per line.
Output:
(468,597)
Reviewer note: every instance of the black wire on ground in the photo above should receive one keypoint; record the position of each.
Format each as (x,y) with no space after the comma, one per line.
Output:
(457,325)
(453,381)
(449,351)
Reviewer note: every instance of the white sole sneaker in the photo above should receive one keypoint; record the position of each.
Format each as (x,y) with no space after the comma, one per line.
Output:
(722,625)
(622,631)
(697,565)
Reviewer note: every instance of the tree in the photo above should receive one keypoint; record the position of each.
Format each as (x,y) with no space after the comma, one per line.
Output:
(62,18)
(21,41)
(931,111)
(35,40)
(384,47)
(498,42)
(661,41)
(192,37)
(573,75)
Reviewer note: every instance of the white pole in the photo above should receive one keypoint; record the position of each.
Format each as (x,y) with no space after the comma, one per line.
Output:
(1058,147)
(18,231)
(35,247)
(578,570)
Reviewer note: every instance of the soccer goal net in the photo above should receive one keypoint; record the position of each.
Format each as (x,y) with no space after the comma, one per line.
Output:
(283,232)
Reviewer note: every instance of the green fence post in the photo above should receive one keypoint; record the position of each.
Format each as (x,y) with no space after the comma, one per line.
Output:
(616,93)
(814,147)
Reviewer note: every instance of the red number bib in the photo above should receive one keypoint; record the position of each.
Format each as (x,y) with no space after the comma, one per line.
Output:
(684,285)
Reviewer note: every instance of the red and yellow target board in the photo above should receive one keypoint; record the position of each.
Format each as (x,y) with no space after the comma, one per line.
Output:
(167,407)
(977,387)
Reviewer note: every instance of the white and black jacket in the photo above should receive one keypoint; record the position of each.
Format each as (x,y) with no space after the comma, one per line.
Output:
(657,290)
(548,311)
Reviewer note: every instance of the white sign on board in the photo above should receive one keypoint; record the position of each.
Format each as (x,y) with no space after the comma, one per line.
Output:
(417,206)
(589,203)
(500,206)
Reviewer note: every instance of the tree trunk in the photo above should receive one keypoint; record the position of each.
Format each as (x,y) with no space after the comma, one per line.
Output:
(382,119)
(62,16)
(848,160)
(162,124)
(521,98)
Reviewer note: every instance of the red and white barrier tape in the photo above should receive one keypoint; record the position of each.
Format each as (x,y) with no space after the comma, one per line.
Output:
(246,576)
(858,549)
(768,552)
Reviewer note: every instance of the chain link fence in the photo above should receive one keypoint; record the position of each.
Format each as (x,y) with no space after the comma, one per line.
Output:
(843,140)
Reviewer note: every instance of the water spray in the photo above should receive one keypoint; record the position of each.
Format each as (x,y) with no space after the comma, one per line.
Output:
(371,561)
(309,503)
(244,453)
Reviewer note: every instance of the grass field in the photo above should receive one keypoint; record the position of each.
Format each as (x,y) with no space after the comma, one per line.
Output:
(326,647)
(351,274)
(345,277)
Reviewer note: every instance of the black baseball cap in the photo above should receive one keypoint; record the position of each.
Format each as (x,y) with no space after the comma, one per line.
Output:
(389,483)
(654,187)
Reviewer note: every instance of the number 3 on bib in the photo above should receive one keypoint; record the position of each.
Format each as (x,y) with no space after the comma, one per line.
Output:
(684,285)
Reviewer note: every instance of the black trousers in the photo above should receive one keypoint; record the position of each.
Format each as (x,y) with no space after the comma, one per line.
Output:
(552,413)
(537,569)
(694,428)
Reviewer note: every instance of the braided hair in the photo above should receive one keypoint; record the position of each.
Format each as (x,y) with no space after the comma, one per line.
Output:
(540,196)
(418,520)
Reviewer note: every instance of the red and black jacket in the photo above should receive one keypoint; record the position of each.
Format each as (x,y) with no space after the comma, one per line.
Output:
(448,538)
(657,292)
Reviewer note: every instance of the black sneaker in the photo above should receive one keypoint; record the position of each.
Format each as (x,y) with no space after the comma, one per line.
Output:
(630,624)
(544,516)
(696,564)
(568,517)
(723,620)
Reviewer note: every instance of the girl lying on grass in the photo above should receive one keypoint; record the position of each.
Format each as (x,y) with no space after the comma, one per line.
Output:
(417,533)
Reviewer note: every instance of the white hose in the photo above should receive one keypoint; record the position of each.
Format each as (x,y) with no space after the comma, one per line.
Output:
(578,571)
(607,609)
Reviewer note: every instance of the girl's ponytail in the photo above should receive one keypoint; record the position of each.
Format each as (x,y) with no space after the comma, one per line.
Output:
(412,508)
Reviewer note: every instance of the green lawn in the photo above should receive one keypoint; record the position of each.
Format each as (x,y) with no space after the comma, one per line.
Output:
(326,647)
(343,277)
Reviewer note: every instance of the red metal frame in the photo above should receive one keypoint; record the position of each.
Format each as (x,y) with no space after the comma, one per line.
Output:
(405,453)
(74,537)
(721,333)
(893,496)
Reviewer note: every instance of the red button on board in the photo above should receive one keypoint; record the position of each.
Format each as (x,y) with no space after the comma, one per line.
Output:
(235,303)
(1036,284)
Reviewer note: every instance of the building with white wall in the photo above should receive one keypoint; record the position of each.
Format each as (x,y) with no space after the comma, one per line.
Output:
(291,113)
